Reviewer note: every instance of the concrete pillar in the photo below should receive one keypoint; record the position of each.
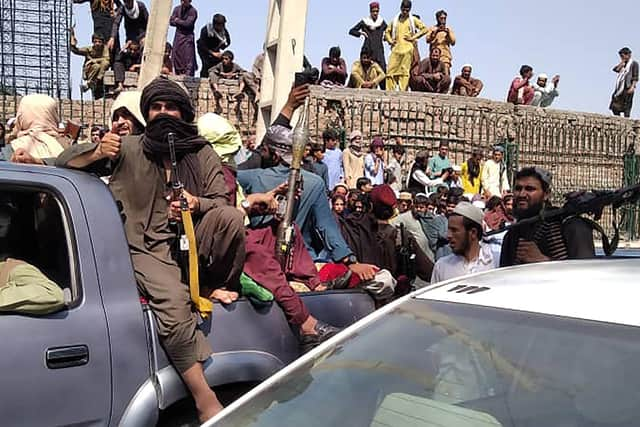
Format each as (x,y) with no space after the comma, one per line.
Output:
(155,41)
(284,51)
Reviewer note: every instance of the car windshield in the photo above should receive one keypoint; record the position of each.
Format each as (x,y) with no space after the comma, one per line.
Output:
(441,364)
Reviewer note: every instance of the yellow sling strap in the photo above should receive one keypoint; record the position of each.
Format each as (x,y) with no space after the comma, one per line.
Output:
(203,305)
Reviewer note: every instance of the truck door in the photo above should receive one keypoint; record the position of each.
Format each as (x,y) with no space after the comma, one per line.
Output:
(54,368)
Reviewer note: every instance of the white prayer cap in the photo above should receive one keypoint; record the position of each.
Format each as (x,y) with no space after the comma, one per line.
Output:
(467,65)
(543,76)
(479,204)
(469,211)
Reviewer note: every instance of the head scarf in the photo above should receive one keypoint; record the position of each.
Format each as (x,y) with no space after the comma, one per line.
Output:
(223,136)
(355,145)
(163,89)
(280,139)
(187,142)
(129,100)
(36,127)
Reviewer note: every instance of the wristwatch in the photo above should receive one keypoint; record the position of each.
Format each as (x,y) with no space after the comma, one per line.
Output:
(244,204)
(351,259)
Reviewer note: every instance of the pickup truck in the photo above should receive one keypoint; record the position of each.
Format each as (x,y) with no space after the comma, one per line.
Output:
(98,361)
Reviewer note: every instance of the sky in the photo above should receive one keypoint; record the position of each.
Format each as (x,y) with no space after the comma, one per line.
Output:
(578,40)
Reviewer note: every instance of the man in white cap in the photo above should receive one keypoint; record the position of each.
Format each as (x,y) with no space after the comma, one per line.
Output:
(469,254)
(545,93)
(465,85)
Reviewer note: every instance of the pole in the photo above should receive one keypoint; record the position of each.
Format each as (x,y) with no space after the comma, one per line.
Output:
(155,41)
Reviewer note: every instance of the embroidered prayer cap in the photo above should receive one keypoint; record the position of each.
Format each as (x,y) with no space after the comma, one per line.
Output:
(469,211)
(543,76)
(377,142)
(163,89)
(383,195)
(374,5)
(405,196)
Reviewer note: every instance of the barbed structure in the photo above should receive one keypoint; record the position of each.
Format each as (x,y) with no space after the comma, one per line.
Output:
(34,48)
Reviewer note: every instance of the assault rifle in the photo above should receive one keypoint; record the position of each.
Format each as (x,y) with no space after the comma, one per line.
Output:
(285,235)
(186,235)
(590,203)
(407,256)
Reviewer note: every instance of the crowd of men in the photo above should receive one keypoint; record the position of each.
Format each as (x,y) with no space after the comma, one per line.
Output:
(368,215)
(404,69)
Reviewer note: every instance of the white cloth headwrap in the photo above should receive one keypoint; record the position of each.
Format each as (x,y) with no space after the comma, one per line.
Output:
(134,12)
(371,23)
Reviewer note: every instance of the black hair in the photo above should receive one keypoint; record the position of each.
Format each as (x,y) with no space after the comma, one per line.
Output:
(440,13)
(422,159)
(531,172)
(365,51)
(406,4)
(361,182)
(398,149)
(329,134)
(453,199)
(335,52)
(624,51)
(493,202)
(228,54)
(443,143)
(338,196)
(456,192)
(421,200)
(525,69)
(219,19)
(383,212)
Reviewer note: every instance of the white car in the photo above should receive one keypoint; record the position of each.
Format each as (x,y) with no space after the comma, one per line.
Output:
(551,344)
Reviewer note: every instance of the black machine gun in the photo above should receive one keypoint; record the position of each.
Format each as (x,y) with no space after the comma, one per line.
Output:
(590,203)
(285,235)
(186,235)
(407,256)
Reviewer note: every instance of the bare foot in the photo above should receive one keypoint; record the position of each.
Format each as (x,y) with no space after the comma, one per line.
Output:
(224,296)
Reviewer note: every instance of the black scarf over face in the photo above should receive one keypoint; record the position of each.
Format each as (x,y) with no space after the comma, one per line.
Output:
(155,145)
(473,167)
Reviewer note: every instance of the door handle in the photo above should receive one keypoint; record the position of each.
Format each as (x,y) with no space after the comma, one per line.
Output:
(66,357)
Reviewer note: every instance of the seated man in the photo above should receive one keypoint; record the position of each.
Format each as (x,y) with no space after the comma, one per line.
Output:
(520,91)
(129,59)
(227,69)
(141,172)
(314,215)
(430,75)
(334,69)
(544,93)
(97,59)
(366,74)
(23,288)
(465,85)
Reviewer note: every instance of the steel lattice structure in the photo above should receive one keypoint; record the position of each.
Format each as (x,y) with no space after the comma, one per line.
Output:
(34,47)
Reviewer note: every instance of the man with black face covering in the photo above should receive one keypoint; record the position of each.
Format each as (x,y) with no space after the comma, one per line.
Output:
(542,240)
(140,173)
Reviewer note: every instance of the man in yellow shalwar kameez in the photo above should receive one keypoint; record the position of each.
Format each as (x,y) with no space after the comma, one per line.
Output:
(401,35)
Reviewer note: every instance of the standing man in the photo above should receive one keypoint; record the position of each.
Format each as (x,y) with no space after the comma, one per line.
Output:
(374,163)
(567,238)
(410,219)
(495,181)
(140,168)
(440,164)
(465,85)
(430,75)
(372,28)
(627,69)
(469,254)
(402,35)
(102,15)
(353,159)
(544,93)
(319,168)
(184,48)
(136,17)
(366,74)
(214,39)
(441,36)
(471,171)
(520,92)
(333,157)
(395,168)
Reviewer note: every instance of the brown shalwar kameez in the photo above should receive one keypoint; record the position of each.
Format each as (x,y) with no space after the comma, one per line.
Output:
(140,185)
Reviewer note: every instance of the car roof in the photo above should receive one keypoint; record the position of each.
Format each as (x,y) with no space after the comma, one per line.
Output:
(605,290)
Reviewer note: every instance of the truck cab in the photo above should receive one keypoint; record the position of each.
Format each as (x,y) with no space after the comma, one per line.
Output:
(98,361)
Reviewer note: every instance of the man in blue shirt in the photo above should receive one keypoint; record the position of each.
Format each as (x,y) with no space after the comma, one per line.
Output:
(374,163)
(438,164)
(333,157)
(313,210)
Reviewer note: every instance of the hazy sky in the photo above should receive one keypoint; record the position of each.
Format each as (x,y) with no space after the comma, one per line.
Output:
(577,39)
